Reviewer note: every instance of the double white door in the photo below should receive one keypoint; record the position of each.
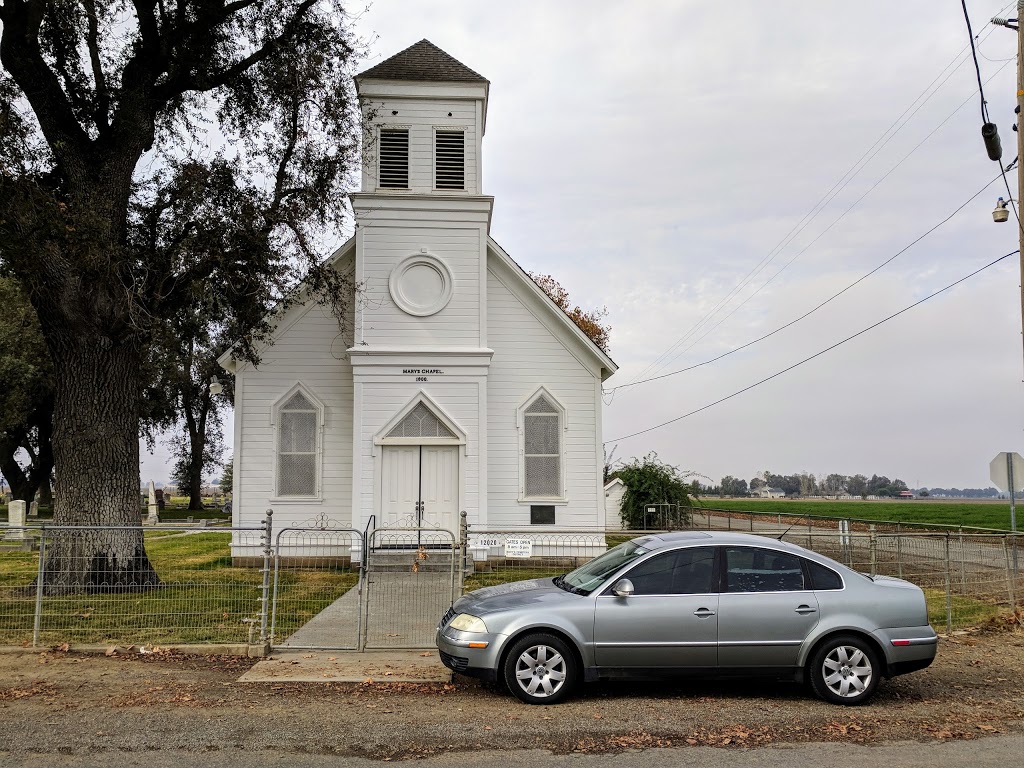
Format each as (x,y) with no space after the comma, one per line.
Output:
(420,486)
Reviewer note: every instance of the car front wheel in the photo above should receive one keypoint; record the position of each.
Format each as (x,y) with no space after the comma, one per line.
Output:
(540,669)
(845,670)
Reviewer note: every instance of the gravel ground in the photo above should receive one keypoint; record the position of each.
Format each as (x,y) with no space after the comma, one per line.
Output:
(61,703)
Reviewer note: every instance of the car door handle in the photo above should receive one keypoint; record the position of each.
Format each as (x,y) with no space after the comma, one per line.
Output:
(702,612)
(802,609)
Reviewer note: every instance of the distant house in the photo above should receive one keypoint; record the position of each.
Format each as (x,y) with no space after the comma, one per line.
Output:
(613,491)
(906,495)
(769,493)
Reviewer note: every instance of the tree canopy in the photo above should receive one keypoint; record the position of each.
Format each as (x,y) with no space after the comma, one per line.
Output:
(651,482)
(157,155)
(590,321)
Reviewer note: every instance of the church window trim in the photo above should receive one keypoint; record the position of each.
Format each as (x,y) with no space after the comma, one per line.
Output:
(297,436)
(535,444)
(404,291)
(389,434)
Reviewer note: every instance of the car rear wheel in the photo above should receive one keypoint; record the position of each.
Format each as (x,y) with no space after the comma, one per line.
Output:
(845,670)
(540,669)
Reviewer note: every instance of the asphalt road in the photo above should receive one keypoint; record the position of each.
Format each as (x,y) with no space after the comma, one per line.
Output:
(997,752)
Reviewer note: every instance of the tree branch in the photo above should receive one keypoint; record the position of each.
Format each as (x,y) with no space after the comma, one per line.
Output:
(23,58)
(102,114)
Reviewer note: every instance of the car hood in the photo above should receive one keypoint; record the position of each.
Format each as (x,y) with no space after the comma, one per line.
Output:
(516,594)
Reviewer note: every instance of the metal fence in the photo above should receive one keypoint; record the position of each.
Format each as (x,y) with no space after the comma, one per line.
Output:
(182,588)
(320,586)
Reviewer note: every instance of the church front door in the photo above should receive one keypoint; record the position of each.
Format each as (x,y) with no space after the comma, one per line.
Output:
(420,487)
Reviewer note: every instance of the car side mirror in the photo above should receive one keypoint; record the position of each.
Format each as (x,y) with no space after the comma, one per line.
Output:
(623,588)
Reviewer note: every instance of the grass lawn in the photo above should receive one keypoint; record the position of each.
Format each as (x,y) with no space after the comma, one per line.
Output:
(977,514)
(203,598)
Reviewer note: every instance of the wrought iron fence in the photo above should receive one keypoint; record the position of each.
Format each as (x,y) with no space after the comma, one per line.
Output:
(316,595)
(411,578)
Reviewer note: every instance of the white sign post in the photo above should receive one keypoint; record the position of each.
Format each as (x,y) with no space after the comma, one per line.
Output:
(1006,470)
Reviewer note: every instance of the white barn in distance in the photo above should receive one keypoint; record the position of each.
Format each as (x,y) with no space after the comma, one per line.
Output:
(457,384)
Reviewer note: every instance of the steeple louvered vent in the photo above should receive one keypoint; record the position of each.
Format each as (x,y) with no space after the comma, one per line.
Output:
(450,156)
(394,158)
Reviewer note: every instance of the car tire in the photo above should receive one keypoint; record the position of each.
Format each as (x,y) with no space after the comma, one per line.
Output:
(540,669)
(845,670)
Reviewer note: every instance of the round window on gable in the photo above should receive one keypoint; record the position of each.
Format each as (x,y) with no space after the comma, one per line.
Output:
(421,285)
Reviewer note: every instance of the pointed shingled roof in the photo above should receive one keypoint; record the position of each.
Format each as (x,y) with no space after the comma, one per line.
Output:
(422,61)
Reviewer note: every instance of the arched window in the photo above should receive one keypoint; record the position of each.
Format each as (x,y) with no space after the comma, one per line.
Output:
(542,422)
(297,438)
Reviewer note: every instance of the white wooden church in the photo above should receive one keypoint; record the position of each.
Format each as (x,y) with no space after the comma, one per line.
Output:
(459,384)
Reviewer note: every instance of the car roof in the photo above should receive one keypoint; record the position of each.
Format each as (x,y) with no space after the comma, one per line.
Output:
(674,538)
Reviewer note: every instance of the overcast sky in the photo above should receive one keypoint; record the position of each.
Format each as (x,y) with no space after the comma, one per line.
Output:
(650,155)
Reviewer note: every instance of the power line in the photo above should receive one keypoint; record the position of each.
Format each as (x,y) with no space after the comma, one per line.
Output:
(810,312)
(977,67)
(815,355)
(835,221)
(838,187)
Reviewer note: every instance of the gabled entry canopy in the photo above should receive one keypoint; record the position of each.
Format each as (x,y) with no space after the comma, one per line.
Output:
(421,422)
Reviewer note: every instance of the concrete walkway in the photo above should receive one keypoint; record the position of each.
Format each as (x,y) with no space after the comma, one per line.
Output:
(402,611)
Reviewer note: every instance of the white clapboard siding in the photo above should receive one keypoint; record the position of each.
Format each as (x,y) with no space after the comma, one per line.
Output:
(384,246)
(310,350)
(527,355)
(422,117)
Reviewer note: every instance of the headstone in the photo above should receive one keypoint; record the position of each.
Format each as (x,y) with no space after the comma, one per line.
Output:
(154,510)
(160,499)
(33,509)
(16,519)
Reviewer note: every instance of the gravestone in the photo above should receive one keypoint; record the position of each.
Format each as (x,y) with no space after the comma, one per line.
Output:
(154,510)
(16,517)
(33,509)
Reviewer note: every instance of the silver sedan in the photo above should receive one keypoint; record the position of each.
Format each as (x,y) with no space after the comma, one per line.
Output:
(695,603)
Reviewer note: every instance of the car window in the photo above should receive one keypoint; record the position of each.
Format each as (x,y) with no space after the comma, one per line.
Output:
(588,577)
(682,572)
(824,578)
(750,569)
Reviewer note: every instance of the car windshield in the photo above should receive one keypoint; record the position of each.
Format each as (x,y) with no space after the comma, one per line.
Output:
(587,578)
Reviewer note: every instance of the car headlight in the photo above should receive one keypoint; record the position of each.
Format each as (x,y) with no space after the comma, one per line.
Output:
(466,623)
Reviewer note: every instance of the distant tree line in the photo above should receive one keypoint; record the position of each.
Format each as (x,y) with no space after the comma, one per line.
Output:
(806,484)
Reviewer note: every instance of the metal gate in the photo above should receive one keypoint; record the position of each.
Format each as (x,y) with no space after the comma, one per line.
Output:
(409,581)
(317,587)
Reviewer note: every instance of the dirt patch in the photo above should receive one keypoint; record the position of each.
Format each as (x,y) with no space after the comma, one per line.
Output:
(56,702)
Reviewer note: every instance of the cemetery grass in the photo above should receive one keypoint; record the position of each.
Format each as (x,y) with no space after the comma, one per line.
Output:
(203,599)
(993,515)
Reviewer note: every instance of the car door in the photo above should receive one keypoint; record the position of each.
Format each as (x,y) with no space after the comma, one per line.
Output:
(766,608)
(669,621)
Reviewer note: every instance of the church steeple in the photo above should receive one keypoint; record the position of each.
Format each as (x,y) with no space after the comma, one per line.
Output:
(426,115)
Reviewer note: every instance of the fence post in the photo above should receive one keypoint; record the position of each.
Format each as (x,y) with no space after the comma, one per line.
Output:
(873,546)
(268,553)
(37,620)
(463,550)
(899,551)
(949,592)
(1010,585)
(963,564)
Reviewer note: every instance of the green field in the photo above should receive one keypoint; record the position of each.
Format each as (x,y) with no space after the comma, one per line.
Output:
(976,514)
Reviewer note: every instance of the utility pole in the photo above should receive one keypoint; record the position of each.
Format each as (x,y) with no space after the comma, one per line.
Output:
(1020,153)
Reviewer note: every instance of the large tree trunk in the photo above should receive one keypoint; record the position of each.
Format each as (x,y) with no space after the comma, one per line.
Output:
(96,452)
